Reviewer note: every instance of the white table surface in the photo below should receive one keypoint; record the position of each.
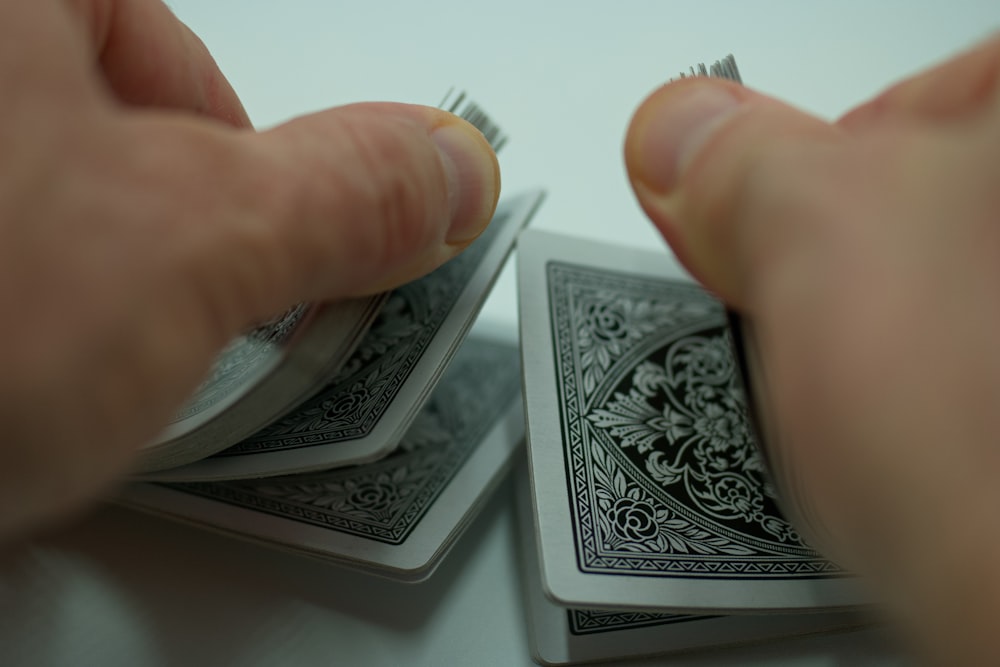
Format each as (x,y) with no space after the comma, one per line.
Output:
(117,588)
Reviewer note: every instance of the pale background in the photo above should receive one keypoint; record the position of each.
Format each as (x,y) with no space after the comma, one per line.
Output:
(562,79)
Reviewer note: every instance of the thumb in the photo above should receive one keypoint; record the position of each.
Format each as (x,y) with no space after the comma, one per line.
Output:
(338,204)
(727,175)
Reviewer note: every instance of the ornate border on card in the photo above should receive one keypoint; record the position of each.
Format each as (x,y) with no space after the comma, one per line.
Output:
(384,501)
(663,476)
(350,406)
(595,621)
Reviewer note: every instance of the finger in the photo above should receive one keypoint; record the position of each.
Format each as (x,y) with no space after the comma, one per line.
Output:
(712,164)
(338,204)
(967,84)
(149,58)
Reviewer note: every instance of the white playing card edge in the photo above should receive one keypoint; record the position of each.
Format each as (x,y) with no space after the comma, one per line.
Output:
(413,560)
(419,384)
(321,345)
(562,581)
(552,642)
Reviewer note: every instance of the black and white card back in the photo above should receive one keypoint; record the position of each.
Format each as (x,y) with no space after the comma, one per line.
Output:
(649,490)
(397,516)
(363,412)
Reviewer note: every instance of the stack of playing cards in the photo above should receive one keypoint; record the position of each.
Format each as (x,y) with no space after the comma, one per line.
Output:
(270,370)
(651,524)
(649,520)
(368,472)
(361,432)
(363,410)
(395,517)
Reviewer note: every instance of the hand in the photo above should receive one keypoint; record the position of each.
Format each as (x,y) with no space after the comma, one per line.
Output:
(143,223)
(867,255)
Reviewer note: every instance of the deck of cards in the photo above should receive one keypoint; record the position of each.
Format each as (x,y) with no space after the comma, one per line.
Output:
(389,460)
(369,433)
(649,522)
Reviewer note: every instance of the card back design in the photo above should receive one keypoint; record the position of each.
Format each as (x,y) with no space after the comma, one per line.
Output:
(354,401)
(385,500)
(664,477)
(595,621)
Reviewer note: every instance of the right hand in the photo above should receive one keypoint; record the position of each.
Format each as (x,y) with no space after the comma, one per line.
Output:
(867,254)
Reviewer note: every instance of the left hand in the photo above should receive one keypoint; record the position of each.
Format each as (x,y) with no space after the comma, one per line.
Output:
(143,224)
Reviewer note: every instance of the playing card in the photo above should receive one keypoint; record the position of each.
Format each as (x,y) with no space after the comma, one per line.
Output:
(560,635)
(396,516)
(260,376)
(649,491)
(363,412)
(266,372)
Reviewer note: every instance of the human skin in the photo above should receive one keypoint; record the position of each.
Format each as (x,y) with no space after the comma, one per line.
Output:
(866,253)
(143,223)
